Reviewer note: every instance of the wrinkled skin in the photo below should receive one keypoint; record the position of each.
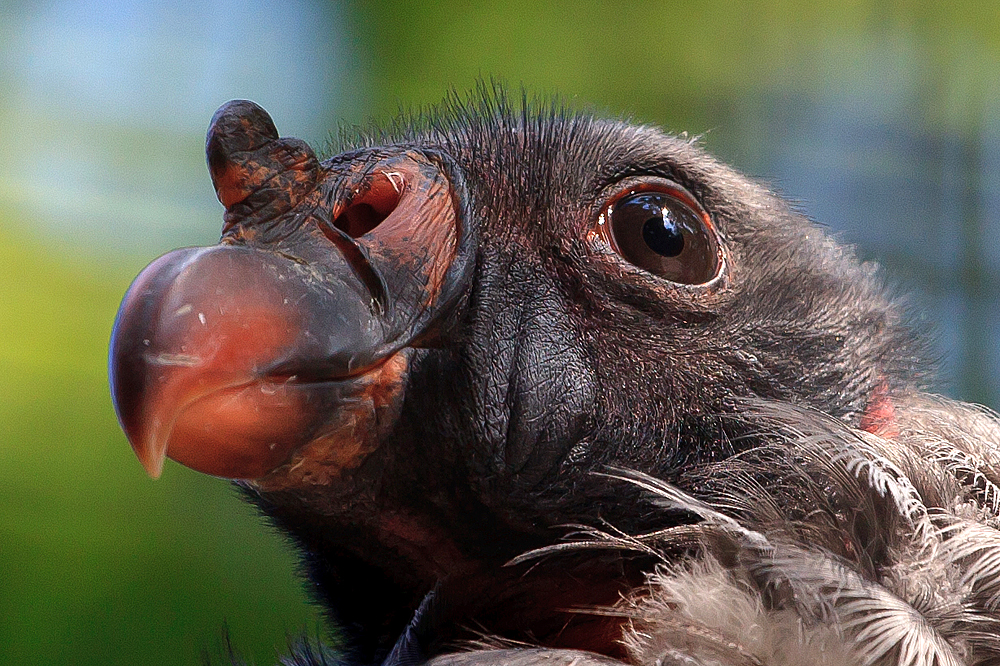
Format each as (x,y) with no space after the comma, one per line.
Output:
(495,358)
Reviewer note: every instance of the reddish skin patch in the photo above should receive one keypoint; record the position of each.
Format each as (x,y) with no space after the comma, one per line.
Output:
(415,226)
(422,232)
(420,542)
(369,208)
(551,604)
(602,635)
(349,435)
(880,414)
(230,185)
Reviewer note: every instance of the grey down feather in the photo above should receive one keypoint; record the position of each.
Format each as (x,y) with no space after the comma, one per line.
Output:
(859,549)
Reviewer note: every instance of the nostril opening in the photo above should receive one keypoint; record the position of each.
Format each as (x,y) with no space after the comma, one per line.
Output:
(371,207)
(358,219)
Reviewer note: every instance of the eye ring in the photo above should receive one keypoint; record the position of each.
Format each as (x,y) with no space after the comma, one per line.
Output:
(661,228)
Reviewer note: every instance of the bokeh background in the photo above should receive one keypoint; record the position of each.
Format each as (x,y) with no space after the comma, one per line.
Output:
(881,118)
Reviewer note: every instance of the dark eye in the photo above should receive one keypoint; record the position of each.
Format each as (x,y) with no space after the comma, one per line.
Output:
(665,233)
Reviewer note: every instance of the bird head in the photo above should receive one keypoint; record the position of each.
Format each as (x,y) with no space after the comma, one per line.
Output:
(418,355)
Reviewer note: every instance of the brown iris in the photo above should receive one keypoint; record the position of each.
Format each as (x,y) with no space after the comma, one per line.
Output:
(665,232)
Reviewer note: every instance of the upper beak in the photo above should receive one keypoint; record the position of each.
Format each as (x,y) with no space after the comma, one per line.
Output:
(216,354)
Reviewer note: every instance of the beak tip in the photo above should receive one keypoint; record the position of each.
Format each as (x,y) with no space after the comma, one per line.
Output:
(151,457)
(154,471)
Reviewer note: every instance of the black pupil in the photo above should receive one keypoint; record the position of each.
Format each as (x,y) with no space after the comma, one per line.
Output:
(664,234)
(661,232)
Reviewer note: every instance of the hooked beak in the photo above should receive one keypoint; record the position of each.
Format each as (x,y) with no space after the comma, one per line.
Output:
(285,347)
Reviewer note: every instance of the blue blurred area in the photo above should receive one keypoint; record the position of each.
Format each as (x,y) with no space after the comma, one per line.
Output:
(880,120)
(897,155)
(106,105)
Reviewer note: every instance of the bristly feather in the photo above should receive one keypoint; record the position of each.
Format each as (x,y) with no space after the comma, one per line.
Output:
(302,651)
(825,545)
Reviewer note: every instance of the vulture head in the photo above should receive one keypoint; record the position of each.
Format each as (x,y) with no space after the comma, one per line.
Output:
(501,373)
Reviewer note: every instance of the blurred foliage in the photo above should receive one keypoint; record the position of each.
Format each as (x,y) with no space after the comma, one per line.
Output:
(100,565)
(686,65)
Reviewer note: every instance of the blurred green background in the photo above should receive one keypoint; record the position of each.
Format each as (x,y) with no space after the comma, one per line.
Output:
(881,118)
